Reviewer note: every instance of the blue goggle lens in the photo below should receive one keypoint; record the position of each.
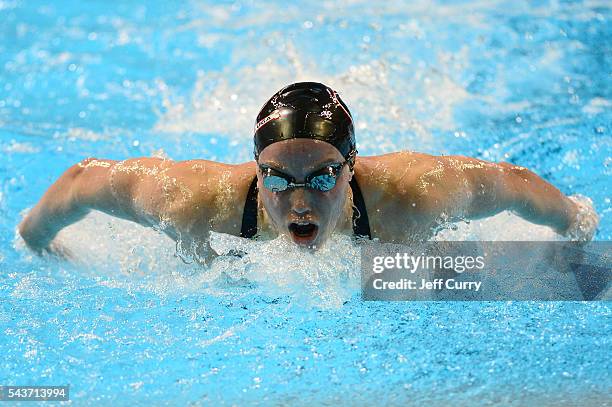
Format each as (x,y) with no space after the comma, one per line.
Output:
(323,182)
(275,183)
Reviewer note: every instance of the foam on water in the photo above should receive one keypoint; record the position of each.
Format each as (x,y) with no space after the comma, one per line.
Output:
(127,255)
(327,277)
(131,256)
(375,90)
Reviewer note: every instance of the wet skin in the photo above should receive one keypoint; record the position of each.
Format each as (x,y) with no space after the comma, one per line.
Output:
(305,206)
(406,195)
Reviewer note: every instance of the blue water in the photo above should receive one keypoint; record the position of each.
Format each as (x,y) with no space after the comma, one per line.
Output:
(128,322)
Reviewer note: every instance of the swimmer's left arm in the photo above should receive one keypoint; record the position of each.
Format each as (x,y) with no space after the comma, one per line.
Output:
(477,189)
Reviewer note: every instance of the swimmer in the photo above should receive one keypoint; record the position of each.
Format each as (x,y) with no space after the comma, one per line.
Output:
(306,182)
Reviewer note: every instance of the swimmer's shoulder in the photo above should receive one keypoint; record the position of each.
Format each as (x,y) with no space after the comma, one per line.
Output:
(188,176)
(387,172)
(391,180)
(194,195)
(217,192)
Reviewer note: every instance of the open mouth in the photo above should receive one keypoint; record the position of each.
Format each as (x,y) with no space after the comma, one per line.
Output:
(303,233)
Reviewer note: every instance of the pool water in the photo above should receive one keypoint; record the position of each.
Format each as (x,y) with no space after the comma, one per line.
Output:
(132,321)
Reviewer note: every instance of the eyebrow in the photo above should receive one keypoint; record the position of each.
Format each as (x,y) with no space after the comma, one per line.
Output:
(274,167)
(272,164)
(280,171)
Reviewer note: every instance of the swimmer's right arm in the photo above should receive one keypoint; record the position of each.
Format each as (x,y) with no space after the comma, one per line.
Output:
(67,201)
(90,184)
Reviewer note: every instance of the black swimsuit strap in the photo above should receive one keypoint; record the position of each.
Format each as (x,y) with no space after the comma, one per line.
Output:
(249,216)
(361,223)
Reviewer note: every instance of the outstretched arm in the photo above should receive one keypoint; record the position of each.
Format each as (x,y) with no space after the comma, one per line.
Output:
(472,189)
(62,205)
(130,189)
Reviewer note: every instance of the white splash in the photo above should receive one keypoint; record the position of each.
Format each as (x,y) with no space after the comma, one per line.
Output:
(376,91)
(127,255)
(327,276)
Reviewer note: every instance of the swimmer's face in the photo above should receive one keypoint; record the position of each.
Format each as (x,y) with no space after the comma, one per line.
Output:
(308,216)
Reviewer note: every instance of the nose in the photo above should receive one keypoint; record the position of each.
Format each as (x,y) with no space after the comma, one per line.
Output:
(299,204)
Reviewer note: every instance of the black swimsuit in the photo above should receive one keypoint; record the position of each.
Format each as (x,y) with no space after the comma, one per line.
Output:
(361,224)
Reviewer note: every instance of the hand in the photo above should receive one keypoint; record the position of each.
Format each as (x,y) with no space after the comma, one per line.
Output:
(35,236)
(59,251)
(40,243)
(585,219)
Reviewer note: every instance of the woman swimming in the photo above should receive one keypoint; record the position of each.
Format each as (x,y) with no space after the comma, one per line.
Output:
(306,182)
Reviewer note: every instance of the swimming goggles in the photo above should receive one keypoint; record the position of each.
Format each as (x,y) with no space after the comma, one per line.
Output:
(321,180)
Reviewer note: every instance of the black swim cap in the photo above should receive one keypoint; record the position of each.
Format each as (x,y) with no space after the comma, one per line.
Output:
(306,110)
